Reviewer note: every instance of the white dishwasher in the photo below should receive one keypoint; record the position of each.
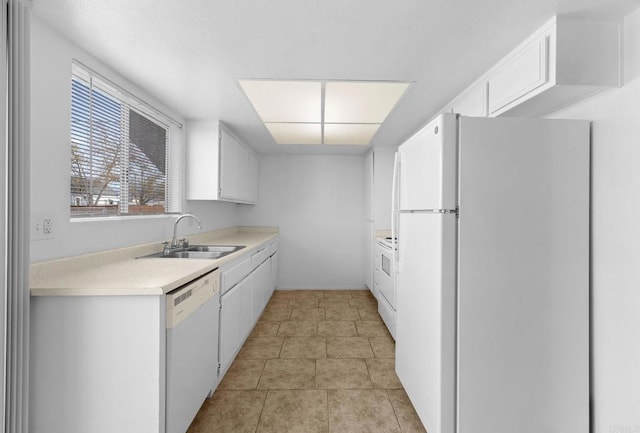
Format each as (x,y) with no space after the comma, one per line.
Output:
(192,349)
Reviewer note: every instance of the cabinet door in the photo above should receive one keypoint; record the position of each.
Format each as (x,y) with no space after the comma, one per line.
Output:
(246,307)
(473,103)
(230,338)
(252,179)
(234,168)
(524,72)
(274,273)
(262,287)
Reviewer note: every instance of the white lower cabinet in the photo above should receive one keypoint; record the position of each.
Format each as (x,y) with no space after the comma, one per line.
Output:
(262,288)
(230,338)
(246,288)
(249,284)
(274,272)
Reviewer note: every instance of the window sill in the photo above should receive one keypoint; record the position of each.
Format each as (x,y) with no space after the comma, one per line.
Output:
(122,218)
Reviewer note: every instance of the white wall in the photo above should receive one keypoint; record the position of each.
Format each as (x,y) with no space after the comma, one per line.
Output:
(318,203)
(51,57)
(616,243)
(382,179)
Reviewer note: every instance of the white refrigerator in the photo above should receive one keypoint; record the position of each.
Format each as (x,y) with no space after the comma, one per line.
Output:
(492,327)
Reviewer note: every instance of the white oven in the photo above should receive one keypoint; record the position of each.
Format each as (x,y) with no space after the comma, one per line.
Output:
(384,279)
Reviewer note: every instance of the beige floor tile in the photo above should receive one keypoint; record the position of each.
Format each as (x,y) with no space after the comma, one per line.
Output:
(288,374)
(298,328)
(362,294)
(303,303)
(371,328)
(337,294)
(334,303)
(343,312)
(367,314)
(295,411)
(229,412)
(304,347)
(368,304)
(265,329)
(383,374)
(308,314)
(337,328)
(342,374)
(261,348)
(406,414)
(283,295)
(383,347)
(278,303)
(308,294)
(348,347)
(361,411)
(276,314)
(243,374)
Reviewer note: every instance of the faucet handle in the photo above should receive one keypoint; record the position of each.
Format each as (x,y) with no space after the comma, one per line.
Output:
(166,248)
(183,243)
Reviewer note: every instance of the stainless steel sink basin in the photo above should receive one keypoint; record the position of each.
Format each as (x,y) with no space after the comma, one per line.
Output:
(215,248)
(198,252)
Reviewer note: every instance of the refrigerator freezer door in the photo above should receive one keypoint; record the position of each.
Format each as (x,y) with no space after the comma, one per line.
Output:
(523,294)
(428,166)
(425,316)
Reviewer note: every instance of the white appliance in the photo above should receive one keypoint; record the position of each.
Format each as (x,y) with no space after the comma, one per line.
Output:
(492,323)
(192,349)
(384,281)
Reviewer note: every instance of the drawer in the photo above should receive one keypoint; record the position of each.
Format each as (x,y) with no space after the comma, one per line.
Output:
(260,256)
(235,274)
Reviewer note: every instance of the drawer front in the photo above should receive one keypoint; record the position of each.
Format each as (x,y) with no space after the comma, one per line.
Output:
(235,274)
(525,72)
(260,256)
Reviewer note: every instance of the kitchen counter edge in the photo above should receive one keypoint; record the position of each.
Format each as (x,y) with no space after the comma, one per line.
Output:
(119,273)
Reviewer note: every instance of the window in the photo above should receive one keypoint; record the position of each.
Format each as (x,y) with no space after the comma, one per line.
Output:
(126,157)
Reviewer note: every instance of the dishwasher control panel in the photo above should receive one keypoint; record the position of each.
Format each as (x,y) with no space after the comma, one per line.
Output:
(185,300)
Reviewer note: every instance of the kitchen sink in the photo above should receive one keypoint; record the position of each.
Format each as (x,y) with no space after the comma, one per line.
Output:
(198,252)
(215,248)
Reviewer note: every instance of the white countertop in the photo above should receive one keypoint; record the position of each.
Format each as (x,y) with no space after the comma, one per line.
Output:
(118,272)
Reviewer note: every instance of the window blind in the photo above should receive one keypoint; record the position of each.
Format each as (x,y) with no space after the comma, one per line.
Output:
(126,156)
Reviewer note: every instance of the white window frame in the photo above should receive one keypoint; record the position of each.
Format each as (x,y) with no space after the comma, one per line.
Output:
(174,186)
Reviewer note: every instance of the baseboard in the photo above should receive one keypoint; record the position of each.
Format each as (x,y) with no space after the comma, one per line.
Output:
(322,288)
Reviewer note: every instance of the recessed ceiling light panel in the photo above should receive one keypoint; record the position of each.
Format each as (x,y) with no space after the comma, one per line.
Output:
(361,102)
(343,133)
(285,101)
(292,110)
(295,133)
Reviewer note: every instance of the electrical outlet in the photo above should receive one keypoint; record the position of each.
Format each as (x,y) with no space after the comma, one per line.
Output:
(47,226)
(41,227)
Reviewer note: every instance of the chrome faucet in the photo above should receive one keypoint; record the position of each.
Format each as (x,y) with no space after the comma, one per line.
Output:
(174,239)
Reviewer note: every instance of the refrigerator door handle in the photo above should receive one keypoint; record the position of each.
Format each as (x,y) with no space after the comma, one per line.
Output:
(395,196)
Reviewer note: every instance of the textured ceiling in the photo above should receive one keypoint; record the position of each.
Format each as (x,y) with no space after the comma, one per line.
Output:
(189,54)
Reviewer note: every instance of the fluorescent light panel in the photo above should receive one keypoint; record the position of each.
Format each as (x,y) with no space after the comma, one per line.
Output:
(349,133)
(285,101)
(360,102)
(295,133)
(353,110)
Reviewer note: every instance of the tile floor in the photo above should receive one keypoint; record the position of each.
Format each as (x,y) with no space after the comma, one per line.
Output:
(316,362)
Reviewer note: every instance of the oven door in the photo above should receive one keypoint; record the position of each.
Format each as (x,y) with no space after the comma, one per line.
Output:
(387,276)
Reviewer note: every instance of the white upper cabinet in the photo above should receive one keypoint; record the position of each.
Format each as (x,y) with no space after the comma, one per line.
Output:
(473,102)
(219,165)
(566,60)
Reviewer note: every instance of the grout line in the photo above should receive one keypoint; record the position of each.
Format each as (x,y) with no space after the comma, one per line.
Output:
(264,401)
(393,408)
(328,414)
